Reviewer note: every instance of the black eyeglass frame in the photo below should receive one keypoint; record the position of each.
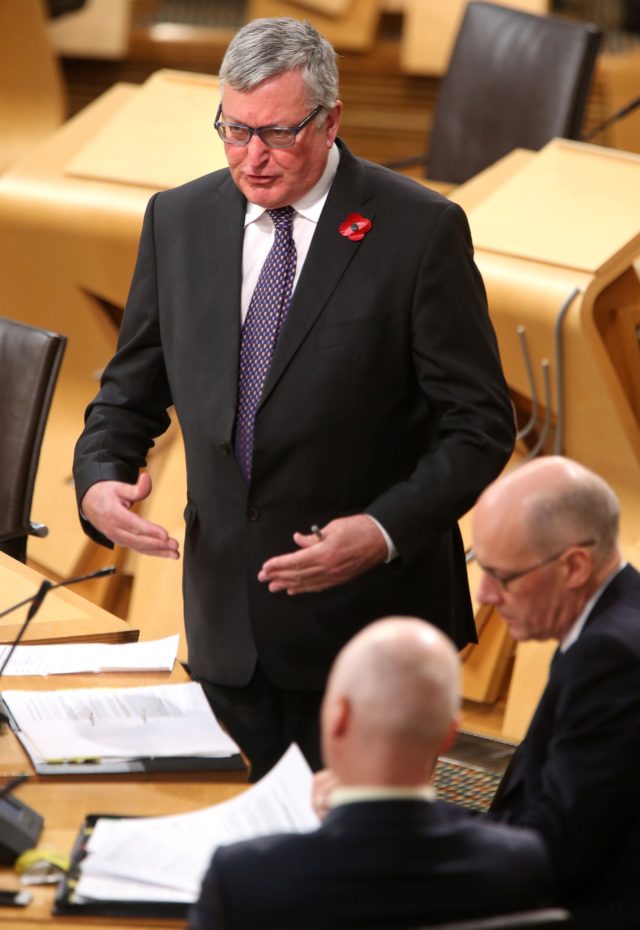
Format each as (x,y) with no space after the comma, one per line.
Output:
(219,125)
(505,580)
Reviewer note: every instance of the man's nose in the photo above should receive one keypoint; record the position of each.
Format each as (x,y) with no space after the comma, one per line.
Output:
(488,591)
(257,151)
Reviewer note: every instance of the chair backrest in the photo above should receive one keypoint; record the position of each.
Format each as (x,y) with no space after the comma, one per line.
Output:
(515,80)
(29,364)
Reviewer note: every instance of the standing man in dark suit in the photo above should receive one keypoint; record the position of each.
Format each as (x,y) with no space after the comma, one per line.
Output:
(339,373)
(546,536)
(388,854)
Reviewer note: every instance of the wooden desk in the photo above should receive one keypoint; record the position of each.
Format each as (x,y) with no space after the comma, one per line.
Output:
(64,616)
(64,809)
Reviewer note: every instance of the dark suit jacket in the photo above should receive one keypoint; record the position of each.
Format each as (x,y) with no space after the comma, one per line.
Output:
(575,775)
(385,395)
(374,864)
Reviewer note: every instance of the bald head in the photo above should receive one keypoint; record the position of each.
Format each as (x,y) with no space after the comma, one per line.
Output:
(553,502)
(393,694)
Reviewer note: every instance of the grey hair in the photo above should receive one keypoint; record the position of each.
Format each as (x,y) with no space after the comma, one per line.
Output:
(265,48)
(585,509)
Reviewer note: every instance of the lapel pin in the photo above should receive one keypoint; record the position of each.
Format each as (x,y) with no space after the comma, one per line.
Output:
(355,227)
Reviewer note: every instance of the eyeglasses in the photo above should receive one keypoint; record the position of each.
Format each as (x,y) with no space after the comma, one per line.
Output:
(276,137)
(504,580)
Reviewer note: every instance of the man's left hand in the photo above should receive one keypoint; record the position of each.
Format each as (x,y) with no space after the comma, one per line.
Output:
(349,546)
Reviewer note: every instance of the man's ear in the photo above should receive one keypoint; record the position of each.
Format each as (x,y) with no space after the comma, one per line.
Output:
(450,737)
(579,567)
(332,123)
(339,717)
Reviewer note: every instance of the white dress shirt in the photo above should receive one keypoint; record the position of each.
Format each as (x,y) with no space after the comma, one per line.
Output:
(357,793)
(259,233)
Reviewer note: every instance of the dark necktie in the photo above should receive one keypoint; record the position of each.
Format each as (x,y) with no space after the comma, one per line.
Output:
(266,313)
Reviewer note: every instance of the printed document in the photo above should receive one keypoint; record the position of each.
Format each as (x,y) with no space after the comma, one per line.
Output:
(74,724)
(165,858)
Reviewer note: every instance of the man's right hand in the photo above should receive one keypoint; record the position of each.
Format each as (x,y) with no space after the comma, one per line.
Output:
(107,506)
(324,783)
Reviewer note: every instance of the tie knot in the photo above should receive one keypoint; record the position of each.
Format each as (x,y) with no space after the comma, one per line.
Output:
(282,217)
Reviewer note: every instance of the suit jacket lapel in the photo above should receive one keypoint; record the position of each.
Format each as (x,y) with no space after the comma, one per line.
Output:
(217,329)
(327,260)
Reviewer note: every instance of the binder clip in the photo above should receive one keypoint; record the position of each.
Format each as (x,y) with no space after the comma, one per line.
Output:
(41,867)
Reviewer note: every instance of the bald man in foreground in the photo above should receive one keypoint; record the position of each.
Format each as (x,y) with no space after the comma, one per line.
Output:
(546,537)
(387,854)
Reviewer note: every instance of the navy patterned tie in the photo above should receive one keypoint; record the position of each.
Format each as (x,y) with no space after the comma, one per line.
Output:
(266,313)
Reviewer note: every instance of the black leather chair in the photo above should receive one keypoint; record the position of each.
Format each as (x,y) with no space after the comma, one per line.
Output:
(515,80)
(29,364)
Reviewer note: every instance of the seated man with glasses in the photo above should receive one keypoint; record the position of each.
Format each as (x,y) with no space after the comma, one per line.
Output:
(546,538)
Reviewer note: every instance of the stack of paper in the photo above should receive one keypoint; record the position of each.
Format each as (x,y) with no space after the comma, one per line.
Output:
(117,724)
(74,658)
(165,858)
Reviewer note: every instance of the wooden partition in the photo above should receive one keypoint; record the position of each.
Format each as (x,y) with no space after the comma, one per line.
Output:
(32,95)
(556,240)
(350,25)
(70,219)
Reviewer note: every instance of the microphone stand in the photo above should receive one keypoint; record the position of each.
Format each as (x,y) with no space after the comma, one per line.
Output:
(36,602)
(20,825)
(619,114)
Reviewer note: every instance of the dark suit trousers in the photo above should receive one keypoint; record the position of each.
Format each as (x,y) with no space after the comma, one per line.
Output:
(264,720)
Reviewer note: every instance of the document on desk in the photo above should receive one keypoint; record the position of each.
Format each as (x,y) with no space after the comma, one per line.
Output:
(165,858)
(102,724)
(76,658)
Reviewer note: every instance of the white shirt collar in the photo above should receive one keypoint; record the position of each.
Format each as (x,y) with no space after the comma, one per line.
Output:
(351,793)
(310,204)
(579,622)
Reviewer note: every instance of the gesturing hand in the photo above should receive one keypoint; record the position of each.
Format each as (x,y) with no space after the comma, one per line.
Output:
(349,546)
(107,506)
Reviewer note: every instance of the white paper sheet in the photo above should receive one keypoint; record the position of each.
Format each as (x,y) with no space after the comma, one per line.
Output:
(129,723)
(74,658)
(173,853)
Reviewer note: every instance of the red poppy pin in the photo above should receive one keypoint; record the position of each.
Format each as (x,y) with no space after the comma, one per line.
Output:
(355,227)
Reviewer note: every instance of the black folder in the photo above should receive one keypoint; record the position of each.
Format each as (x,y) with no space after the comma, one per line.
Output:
(129,766)
(67,902)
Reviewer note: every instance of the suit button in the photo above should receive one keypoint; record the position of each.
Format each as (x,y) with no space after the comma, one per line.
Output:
(225,447)
(253,514)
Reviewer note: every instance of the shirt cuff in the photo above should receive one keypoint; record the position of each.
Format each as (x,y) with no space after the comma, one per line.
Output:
(392,552)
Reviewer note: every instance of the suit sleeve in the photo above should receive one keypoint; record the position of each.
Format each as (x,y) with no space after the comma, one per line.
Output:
(208,913)
(591,769)
(458,370)
(130,410)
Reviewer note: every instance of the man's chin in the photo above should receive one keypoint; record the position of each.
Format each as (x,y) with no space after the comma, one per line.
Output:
(516,632)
